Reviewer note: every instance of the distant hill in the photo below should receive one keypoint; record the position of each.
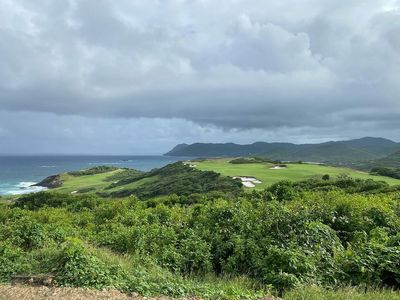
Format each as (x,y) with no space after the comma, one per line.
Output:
(390,161)
(341,152)
(179,147)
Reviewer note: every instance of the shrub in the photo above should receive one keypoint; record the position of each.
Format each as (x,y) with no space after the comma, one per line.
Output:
(78,267)
(12,261)
(285,268)
(326,177)
(53,199)
(389,172)
(282,191)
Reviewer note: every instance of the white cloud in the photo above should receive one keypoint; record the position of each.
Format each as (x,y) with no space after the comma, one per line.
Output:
(232,63)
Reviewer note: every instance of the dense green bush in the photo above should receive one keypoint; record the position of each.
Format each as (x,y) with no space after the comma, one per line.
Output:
(12,261)
(328,233)
(77,266)
(390,172)
(54,199)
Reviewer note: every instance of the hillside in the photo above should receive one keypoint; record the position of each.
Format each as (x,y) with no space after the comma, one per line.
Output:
(177,178)
(268,175)
(390,161)
(195,177)
(341,152)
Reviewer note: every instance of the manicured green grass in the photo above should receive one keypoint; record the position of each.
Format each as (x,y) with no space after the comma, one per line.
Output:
(75,183)
(97,183)
(293,172)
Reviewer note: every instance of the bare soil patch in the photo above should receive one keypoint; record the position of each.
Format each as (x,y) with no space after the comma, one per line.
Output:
(22,292)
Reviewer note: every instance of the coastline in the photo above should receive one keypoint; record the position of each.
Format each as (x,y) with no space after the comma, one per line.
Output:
(20,188)
(19,173)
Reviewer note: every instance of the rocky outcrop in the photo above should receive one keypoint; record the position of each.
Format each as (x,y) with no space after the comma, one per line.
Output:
(51,182)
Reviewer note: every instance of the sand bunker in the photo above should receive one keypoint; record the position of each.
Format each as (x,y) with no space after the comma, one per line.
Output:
(249,182)
(278,168)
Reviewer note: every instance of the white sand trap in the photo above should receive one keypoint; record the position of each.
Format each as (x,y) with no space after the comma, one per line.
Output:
(74,192)
(249,182)
(277,168)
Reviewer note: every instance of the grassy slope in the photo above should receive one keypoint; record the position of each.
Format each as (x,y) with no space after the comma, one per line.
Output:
(133,185)
(96,183)
(293,172)
(175,178)
(75,183)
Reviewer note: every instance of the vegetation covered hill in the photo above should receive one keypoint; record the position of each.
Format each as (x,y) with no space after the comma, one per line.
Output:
(390,161)
(199,177)
(342,152)
(326,233)
(177,178)
(265,172)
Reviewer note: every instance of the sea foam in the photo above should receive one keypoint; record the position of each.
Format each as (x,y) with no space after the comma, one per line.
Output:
(24,187)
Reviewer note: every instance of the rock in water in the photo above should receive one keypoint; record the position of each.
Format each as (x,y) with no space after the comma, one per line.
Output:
(51,182)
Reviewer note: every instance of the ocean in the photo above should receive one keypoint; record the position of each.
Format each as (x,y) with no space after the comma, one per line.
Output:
(18,173)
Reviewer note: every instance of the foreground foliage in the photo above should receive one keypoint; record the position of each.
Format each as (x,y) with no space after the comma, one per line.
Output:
(317,293)
(329,233)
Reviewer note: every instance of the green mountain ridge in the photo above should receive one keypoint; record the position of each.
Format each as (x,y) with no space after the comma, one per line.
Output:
(339,152)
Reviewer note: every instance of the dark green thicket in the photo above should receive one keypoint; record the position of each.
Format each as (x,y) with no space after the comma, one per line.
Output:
(12,261)
(179,179)
(125,174)
(390,172)
(93,171)
(284,189)
(328,233)
(77,266)
(54,199)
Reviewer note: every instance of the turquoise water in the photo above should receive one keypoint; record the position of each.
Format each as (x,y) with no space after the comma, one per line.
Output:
(18,173)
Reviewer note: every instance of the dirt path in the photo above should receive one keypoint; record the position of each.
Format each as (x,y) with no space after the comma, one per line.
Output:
(19,292)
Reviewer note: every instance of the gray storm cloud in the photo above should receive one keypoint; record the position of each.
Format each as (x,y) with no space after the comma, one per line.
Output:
(232,64)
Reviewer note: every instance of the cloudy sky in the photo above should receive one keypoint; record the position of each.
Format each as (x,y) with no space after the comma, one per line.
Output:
(130,76)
